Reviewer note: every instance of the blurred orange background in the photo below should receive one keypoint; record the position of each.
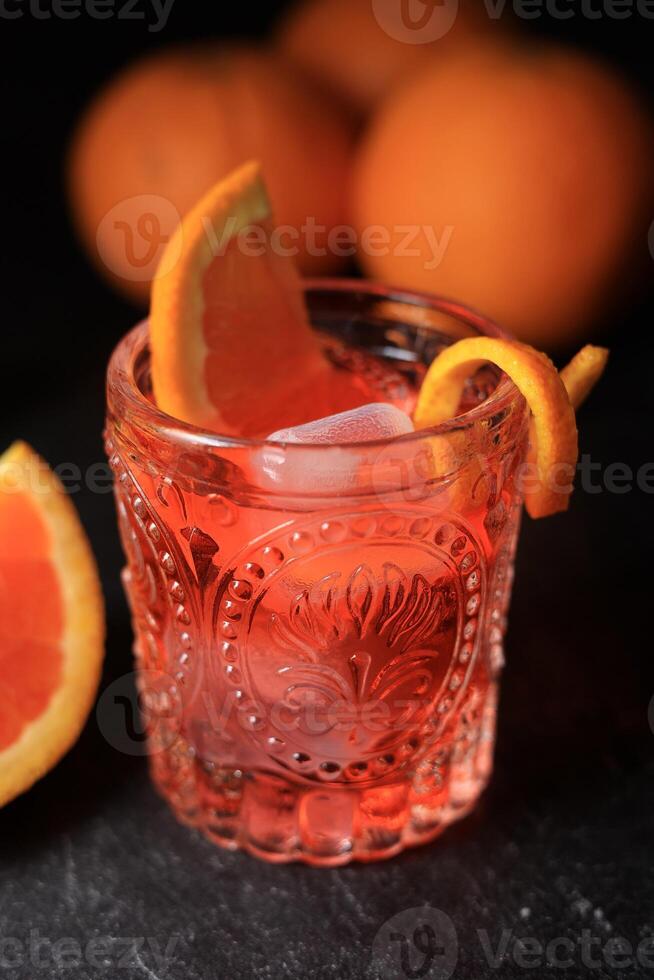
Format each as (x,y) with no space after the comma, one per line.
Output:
(453,153)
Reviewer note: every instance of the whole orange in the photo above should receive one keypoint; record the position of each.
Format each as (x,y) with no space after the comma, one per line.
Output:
(361,48)
(516,179)
(168,128)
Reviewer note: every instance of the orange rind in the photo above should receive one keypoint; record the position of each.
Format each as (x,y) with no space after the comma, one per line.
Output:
(583,372)
(553,425)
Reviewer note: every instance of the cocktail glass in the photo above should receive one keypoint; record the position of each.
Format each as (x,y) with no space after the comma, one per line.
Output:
(318,629)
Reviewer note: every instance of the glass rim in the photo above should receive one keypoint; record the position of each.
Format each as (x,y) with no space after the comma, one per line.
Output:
(121,378)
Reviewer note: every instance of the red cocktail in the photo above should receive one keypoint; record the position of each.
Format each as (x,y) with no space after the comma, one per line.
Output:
(319,626)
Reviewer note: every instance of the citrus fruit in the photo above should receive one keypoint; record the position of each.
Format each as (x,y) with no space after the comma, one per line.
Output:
(231,345)
(553,425)
(361,49)
(526,190)
(163,132)
(52,610)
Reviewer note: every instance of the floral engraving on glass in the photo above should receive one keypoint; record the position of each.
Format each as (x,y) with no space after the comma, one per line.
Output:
(350,675)
(155,579)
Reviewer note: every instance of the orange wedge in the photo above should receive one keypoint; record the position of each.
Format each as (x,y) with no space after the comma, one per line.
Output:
(52,622)
(231,345)
(553,428)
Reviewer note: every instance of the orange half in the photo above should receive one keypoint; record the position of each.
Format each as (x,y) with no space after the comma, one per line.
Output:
(232,349)
(52,619)
(553,427)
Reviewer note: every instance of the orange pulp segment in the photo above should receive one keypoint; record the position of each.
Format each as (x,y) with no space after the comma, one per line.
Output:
(52,619)
(231,346)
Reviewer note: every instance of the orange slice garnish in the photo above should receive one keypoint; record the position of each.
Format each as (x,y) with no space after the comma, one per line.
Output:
(53,622)
(232,349)
(553,426)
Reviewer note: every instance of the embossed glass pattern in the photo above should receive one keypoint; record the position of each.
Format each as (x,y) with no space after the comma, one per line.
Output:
(319,628)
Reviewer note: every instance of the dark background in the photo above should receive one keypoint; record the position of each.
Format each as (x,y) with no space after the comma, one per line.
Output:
(562,841)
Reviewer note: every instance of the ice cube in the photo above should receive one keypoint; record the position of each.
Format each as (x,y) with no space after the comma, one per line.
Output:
(369,423)
(294,467)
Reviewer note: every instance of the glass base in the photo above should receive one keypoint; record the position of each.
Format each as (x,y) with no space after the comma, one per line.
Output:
(279,820)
